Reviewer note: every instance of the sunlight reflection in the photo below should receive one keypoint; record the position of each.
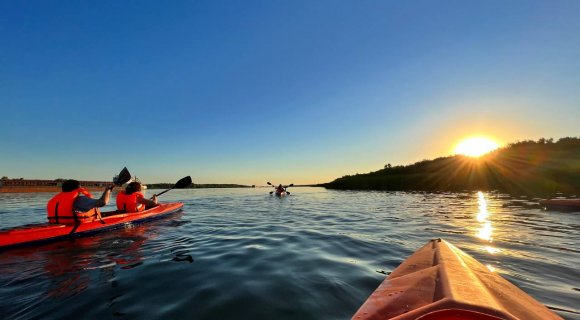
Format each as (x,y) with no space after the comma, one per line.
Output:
(492,250)
(482,214)
(490,267)
(485,231)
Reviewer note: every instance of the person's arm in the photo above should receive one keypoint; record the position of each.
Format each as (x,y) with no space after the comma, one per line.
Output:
(147,202)
(105,197)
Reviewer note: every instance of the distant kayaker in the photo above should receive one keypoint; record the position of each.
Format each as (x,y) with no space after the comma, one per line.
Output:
(75,204)
(280,189)
(132,200)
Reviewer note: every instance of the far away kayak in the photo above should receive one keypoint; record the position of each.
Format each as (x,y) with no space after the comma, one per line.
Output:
(573,204)
(36,233)
(439,281)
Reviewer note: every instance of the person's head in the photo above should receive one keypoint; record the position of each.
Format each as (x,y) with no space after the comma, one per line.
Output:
(70,185)
(133,187)
(279,186)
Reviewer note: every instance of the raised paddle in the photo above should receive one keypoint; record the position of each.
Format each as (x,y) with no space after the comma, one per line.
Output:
(290,185)
(271,185)
(123,177)
(181,184)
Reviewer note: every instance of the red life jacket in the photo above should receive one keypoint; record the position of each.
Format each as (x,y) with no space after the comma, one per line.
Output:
(128,202)
(60,209)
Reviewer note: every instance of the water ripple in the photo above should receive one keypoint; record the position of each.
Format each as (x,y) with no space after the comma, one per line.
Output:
(317,254)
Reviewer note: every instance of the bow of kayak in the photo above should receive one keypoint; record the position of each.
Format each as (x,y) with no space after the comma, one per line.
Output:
(37,233)
(439,281)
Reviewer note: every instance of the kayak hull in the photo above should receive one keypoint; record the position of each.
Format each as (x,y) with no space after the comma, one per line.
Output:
(572,204)
(280,194)
(46,232)
(439,281)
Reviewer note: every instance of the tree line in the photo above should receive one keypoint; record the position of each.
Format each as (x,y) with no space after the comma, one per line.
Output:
(541,167)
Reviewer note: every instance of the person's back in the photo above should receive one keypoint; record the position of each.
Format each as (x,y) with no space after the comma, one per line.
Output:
(75,204)
(132,200)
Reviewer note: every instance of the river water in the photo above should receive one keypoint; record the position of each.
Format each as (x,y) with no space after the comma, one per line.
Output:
(243,254)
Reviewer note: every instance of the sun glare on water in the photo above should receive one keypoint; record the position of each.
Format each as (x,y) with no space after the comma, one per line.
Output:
(475,147)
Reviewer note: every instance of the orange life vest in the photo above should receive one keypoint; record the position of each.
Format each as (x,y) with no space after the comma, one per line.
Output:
(128,202)
(60,209)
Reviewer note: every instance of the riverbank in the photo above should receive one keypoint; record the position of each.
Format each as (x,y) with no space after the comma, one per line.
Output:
(33,189)
(540,168)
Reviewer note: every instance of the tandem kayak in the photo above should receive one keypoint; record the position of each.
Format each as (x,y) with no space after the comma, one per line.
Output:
(573,204)
(439,281)
(37,233)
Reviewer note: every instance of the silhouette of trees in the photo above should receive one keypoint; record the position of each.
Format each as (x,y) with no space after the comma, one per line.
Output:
(522,167)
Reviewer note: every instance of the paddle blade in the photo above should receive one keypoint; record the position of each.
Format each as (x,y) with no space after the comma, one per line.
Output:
(123,177)
(291,185)
(183,183)
(269,183)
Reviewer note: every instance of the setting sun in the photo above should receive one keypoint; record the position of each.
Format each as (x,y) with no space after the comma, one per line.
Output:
(475,147)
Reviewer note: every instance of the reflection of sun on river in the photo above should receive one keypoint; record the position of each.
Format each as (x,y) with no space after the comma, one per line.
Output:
(485,230)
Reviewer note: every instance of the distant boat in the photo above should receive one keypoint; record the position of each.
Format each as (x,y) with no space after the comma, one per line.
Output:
(143,186)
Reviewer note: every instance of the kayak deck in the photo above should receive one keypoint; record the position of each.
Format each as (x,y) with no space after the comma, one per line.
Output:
(33,234)
(439,281)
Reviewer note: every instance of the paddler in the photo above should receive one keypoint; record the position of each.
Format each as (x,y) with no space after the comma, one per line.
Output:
(280,189)
(75,204)
(132,200)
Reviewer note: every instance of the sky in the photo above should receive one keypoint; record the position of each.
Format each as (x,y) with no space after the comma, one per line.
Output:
(283,91)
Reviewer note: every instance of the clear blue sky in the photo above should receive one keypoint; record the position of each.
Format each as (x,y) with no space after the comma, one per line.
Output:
(285,91)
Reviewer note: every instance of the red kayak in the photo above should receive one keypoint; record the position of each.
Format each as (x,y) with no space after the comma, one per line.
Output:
(439,281)
(561,203)
(37,233)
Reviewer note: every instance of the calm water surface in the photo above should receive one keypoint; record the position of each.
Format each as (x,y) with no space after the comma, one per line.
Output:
(243,254)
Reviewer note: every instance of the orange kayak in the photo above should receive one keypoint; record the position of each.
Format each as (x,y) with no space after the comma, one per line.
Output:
(44,232)
(439,281)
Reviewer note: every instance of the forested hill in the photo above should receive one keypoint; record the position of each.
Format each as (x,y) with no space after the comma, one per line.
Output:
(542,167)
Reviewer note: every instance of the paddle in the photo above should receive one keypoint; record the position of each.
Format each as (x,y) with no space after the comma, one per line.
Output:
(288,192)
(123,177)
(183,183)
(290,185)
(271,185)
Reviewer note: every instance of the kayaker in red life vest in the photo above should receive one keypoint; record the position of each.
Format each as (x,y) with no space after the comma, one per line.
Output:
(75,204)
(132,200)
(280,189)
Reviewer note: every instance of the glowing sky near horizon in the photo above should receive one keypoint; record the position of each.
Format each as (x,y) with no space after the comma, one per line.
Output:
(288,92)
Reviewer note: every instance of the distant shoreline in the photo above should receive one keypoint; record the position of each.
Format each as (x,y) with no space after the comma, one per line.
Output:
(55,189)
(33,189)
(539,168)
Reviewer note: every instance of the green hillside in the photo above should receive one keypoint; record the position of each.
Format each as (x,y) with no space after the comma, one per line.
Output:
(540,167)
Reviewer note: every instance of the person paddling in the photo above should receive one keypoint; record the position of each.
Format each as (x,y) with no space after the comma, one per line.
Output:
(75,204)
(132,200)
(280,189)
